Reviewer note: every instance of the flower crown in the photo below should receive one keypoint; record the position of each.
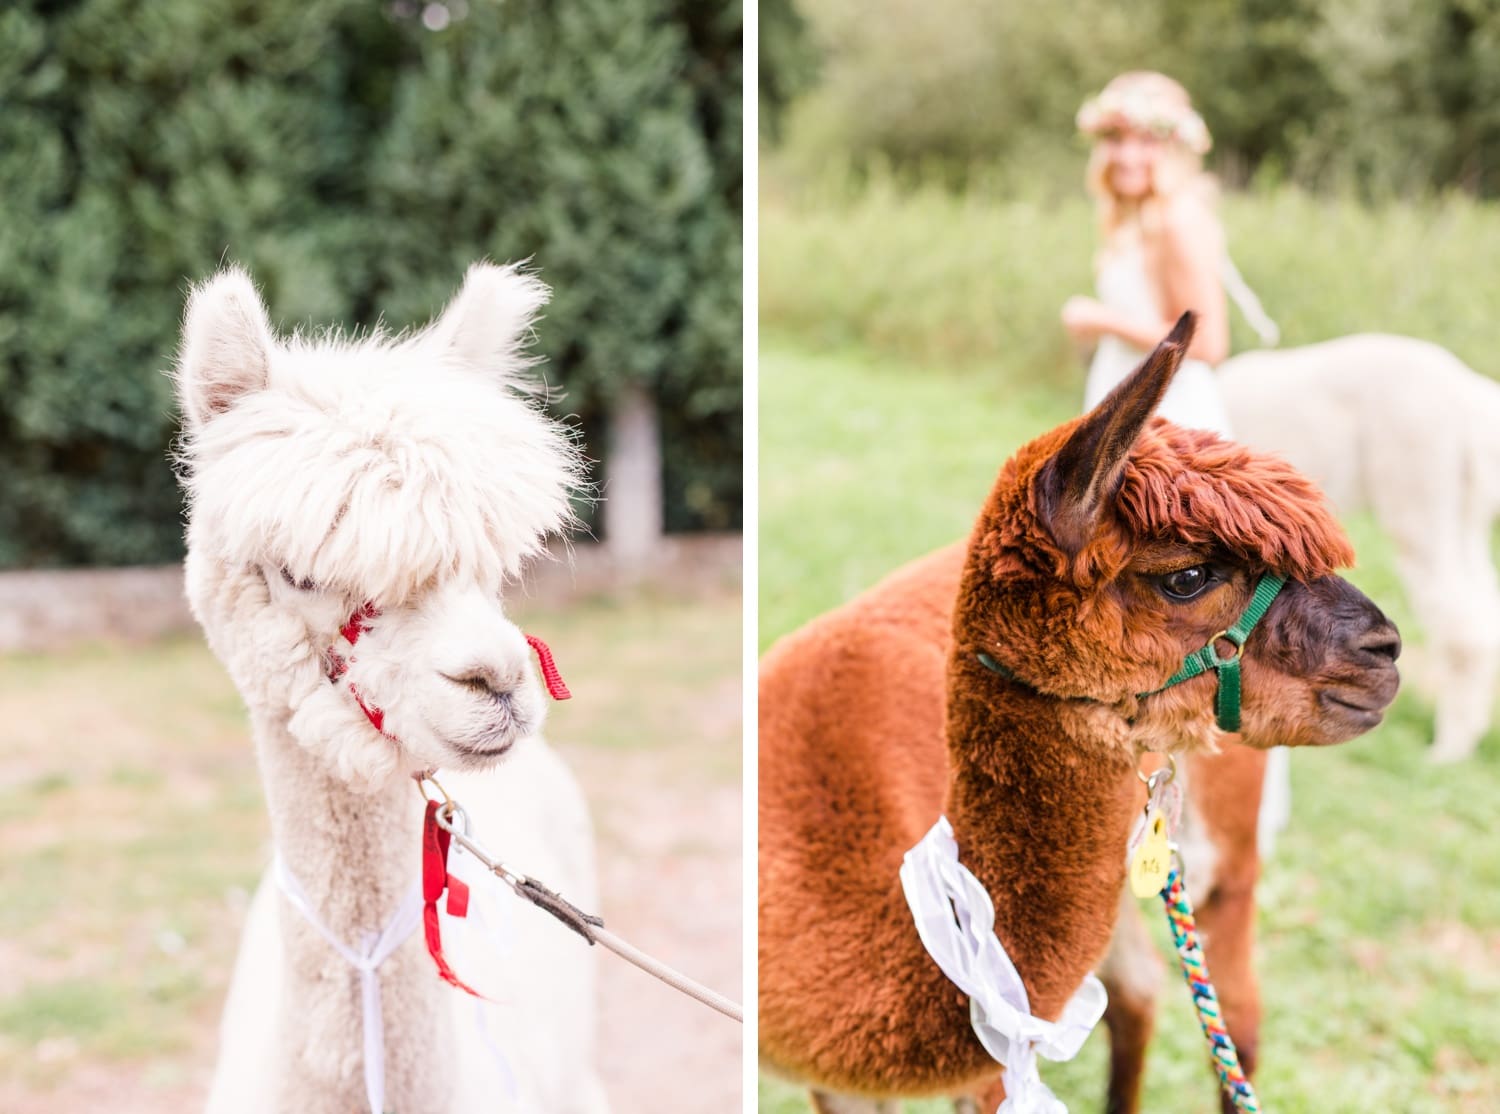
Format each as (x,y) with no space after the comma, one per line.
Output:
(1143,111)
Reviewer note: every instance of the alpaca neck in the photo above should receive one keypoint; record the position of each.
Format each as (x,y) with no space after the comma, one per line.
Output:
(357,856)
(1041,809)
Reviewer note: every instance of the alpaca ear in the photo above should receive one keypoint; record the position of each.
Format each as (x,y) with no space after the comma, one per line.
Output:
(226,346)
(487,323)
(1075,485)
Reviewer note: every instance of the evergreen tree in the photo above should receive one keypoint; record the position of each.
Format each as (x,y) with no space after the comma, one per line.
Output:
(143,143)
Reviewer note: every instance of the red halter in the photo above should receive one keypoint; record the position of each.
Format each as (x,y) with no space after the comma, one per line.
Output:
(435,876)
(359,623)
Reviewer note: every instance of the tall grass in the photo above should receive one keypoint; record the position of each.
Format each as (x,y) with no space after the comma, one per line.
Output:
(943,279)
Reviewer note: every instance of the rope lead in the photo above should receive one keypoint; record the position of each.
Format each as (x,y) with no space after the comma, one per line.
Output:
(1205,1000)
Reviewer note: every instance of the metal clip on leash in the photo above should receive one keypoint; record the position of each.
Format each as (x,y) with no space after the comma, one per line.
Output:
(454,820)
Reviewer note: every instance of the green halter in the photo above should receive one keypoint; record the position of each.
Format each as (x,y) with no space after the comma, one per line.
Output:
(1227,698)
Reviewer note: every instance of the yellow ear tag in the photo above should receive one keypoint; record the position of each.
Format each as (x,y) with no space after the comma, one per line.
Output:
(1152,860)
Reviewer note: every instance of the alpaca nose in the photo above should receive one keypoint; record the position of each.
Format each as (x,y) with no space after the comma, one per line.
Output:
(484,680)
(1383,641)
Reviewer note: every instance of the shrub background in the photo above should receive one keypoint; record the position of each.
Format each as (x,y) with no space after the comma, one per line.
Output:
(356,161)
(1377,97)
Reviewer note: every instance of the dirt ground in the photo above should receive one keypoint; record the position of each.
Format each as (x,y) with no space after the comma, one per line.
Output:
(670,876)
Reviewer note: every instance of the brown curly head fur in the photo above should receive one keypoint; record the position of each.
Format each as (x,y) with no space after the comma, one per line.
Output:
(1068,556)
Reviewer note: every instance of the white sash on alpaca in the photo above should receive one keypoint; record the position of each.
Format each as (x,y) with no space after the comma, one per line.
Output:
(375,948)
(956,921)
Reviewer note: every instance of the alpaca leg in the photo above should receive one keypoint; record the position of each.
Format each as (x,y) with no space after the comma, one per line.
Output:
(1466,647)
(1465,696)
(1456,607)
(826,1102)
(1132,974)
(1440,524)
(988,1100)
(1275,800)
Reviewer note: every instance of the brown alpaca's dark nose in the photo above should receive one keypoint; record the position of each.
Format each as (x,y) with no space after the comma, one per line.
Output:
(1383,642)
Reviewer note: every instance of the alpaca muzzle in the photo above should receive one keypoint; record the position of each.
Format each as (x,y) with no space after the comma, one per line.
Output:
(360,622)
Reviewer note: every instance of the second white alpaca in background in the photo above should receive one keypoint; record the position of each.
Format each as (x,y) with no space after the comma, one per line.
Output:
(1405,429)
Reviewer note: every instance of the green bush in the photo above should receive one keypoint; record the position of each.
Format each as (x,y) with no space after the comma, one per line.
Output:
(356,162)
(1378,96)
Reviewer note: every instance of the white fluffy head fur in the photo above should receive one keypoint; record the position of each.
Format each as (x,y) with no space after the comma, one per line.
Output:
(412,472)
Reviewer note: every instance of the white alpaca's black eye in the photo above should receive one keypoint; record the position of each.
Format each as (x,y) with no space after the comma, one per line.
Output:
(1184,584)
(304,585)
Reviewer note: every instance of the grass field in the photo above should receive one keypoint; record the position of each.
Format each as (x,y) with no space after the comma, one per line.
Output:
(132,832)
(1380,914)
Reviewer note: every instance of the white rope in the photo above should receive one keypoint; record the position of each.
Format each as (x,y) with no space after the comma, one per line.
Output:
(374,949)
(1255,314)
(956,920)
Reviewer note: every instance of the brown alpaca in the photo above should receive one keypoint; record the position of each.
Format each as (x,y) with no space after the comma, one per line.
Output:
(877,718)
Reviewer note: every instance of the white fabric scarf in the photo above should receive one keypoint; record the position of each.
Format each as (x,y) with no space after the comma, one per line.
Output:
(956,921)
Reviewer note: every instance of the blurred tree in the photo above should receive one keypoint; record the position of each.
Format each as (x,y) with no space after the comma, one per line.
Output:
(787,62)
(969,82)
(1376,96)
(133,165)
(1253,71)
(617,164)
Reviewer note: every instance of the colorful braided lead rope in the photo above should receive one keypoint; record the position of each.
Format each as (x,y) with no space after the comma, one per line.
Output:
(1195,970)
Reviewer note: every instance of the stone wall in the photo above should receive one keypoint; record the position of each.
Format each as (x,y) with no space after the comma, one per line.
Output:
(48,610)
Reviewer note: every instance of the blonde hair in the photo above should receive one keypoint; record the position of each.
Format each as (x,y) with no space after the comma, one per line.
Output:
(1178,168)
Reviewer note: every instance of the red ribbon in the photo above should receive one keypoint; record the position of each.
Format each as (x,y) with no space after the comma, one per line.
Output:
(555,686)
(338,665)
(436,879)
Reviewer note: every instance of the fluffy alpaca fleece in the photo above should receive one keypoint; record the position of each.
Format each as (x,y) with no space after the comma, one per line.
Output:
(1405,429)
(409,472)
(877,717)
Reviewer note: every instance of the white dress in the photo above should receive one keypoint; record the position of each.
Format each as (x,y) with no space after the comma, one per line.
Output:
(1192,400)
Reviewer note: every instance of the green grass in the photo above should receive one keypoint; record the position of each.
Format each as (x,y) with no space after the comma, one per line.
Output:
(132,827)
(1380,913)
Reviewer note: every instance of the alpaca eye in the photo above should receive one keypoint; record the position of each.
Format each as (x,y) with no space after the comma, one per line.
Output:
(1184,584)
(304,585)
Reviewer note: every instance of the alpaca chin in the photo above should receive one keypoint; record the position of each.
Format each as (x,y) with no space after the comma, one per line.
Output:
(1179,721)
(456,730)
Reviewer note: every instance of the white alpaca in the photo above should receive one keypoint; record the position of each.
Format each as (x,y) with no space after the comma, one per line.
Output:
(409,472)
(1404,428)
